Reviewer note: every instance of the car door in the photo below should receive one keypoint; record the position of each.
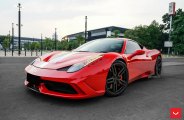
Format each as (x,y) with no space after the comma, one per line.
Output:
(137,65)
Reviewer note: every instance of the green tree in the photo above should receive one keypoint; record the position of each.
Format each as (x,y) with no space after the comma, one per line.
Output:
(177,34)
(48,44)
(32,46)
(73,44)
(37,46)
(116,33)
(63,45)
(149,36)
(80,40)
(27,46)
(6,43)
(2,38)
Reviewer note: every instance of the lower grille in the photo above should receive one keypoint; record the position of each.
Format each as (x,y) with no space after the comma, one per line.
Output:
(60,87)
(33,87)
(34,82)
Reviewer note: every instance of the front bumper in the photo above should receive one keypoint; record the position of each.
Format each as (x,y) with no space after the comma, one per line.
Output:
(63,84)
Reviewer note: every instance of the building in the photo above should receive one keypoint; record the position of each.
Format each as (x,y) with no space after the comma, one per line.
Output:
(23,41)
(97,33)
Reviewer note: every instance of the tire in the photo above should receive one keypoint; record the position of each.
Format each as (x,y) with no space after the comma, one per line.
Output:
(117,79)
(158,67)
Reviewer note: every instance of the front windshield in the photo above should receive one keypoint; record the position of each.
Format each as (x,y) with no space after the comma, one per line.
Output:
(101,46)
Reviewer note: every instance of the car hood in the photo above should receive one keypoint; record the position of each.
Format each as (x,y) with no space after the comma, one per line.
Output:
(61,59)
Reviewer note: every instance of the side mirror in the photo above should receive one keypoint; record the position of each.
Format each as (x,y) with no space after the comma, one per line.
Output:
(137,52)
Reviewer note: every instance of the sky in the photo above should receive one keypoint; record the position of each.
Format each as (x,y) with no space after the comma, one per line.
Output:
(68,16)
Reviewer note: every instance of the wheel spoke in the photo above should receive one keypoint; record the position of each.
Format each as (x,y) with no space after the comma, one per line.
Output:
(115,87)
(113,70)
(110,80)
(122,82)
(121,72)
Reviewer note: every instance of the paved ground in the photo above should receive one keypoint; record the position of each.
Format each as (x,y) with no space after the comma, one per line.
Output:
(144,100)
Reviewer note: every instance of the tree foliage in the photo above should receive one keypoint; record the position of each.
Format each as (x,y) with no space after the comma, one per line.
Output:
(6,42)
(65,45)
(48,44)
(177,33)
(149,36)
(27,46)
(80,40)
(154,35)
(116,33)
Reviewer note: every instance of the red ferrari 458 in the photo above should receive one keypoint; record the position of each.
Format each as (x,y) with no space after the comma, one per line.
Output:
(99,67)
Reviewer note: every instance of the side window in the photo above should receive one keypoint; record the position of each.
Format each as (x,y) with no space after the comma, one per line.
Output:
(131,47)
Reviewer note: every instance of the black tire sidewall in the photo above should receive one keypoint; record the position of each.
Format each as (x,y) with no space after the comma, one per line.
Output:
(156,71)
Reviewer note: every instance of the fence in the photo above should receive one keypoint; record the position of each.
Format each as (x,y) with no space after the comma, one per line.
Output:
(24,53)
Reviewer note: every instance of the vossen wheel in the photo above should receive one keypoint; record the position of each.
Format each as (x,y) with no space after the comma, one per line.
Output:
(117,79)
(158,67)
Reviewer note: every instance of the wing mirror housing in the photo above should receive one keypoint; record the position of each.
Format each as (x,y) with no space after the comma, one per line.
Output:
(137,52)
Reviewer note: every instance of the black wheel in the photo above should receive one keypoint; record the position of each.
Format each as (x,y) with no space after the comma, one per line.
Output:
(158,67)
(117,79)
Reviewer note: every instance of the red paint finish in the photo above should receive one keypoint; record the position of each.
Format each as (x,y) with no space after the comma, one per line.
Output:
(89,81)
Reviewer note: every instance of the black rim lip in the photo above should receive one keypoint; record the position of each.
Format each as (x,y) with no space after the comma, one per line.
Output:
(124,75)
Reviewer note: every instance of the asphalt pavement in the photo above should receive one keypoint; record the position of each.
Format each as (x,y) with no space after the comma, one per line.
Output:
(146,99)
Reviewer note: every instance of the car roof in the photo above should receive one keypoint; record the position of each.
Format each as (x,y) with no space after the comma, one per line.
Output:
(125,39)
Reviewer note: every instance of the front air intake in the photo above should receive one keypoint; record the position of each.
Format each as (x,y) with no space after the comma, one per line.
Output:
(60,87)
(33,79)
(50,85)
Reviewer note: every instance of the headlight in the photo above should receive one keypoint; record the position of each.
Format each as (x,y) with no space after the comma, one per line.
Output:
(80,65)
(37,59)
(76,67)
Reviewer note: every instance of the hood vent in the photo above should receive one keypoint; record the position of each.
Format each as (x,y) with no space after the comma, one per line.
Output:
(64,68)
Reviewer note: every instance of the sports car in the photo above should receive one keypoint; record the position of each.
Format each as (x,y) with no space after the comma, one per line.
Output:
(100,67)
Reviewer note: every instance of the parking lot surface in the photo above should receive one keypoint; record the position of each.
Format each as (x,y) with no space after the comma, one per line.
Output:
(146,99)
